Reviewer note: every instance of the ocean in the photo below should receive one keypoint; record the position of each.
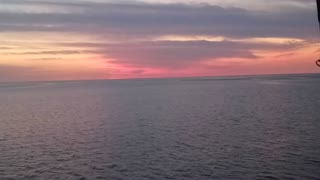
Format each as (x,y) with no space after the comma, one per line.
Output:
(246,127)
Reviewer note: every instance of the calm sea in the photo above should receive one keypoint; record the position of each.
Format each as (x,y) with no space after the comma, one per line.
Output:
(253,127)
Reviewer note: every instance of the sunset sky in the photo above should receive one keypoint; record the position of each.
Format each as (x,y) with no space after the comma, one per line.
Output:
(115,39)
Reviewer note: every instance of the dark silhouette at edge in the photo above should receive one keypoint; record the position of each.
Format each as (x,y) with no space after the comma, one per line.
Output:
(318,8)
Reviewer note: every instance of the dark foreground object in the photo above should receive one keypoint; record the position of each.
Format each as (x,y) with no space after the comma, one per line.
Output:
(318,62)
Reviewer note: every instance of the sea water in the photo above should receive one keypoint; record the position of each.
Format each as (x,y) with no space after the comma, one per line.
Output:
(249,127)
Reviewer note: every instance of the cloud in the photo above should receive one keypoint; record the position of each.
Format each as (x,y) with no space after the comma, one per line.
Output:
(144,19)
(182,53)
(62,52)
(5,48)
(172,54)
(149,34)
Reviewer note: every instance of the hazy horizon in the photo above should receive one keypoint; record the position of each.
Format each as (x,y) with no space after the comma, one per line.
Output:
(159,78)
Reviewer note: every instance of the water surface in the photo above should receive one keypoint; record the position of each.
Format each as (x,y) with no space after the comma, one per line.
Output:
(254,127)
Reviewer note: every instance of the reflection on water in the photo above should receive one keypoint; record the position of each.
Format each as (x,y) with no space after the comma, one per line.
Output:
(210,128)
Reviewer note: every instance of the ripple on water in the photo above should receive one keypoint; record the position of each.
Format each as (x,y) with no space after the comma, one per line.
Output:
(141,130)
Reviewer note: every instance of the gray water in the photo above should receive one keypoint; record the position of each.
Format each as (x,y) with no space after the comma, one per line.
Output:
(255,127)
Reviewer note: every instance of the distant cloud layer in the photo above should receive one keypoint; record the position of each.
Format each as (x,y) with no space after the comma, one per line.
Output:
(133,36)
(154,19)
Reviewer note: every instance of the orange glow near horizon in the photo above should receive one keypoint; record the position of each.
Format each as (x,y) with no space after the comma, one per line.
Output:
(91,66)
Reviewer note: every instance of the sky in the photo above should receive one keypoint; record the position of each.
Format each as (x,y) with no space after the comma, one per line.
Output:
(120,39)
